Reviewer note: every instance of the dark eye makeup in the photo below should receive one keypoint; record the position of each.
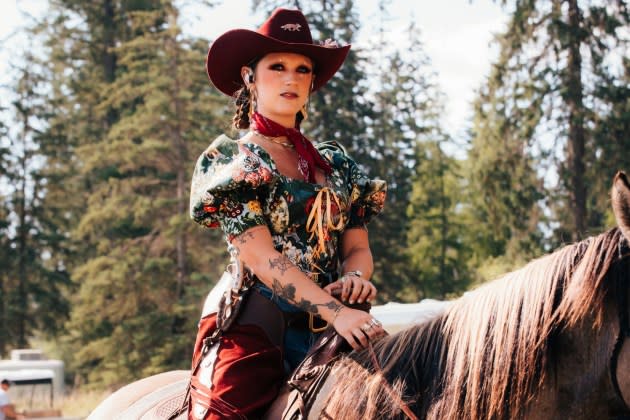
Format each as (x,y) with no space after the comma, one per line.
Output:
(304,69)
(279,67)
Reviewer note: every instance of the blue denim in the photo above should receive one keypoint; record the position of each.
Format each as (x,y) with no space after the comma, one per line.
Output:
(282,304)
(297,341)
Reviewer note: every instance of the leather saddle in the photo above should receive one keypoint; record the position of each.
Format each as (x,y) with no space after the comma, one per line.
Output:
(297,396)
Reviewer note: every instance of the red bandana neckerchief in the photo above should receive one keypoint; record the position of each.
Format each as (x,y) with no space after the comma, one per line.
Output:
(308,156)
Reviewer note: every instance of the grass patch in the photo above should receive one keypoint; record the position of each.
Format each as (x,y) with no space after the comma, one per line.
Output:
(76,403)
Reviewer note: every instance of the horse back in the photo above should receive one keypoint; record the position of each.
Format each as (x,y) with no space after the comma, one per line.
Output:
(155,397)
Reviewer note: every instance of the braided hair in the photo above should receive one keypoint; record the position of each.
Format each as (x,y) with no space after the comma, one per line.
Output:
(240,121)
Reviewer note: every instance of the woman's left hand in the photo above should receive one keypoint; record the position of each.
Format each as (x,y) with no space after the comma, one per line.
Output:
(354,289)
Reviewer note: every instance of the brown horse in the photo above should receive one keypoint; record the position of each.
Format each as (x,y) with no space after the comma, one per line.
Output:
(547,341)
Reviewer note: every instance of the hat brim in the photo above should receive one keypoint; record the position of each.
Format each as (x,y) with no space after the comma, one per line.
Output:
(238,47)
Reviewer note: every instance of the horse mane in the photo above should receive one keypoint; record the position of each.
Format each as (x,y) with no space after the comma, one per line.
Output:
(486,356)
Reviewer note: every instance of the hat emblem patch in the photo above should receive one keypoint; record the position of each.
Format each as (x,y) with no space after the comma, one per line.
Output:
(291,27)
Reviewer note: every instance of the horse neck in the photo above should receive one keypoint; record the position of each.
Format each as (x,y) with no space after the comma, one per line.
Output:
(408,362)
(576,383)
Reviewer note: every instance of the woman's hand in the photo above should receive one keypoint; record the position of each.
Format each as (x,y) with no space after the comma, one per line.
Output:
(357,327)
(352,288)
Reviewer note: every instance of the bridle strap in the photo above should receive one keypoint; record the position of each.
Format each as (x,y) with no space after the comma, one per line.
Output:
(624,327)
(401,404)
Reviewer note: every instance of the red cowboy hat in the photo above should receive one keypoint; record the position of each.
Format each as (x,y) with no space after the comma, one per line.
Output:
(284,31)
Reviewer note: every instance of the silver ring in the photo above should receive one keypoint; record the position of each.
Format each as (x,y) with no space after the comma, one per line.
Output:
(375,322)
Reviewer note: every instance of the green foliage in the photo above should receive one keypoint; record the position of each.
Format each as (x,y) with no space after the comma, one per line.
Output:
(402,117)
(418,240)
(436,246)
(611,140)
(143,276)
(6,253)
(118,135)
(504,190)
(32,283)
(556,80)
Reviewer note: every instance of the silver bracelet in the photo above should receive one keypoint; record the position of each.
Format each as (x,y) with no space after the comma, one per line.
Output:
(355,273)
(337,311)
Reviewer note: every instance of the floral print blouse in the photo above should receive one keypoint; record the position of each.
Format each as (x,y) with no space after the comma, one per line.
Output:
(237,186)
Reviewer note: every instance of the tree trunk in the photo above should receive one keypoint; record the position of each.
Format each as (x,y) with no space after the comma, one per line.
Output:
(4,331)
(22,302)
(443,222)
(181,241)
(182,160)
(576,139)
(109,58)
(108,55)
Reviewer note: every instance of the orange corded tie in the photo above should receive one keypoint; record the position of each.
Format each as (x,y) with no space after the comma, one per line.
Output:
(315,221)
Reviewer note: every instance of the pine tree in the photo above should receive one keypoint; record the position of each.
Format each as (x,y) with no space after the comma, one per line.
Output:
(82,62)
(5,248)
(65,116)
(72,72)
(33,286)
(610,135)
(150,272)
(503,191)
(391,154)
(127,110)
(408,141)
(548,75)
(436,244)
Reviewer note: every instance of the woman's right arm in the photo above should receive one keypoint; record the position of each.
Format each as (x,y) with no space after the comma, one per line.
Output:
(287,281)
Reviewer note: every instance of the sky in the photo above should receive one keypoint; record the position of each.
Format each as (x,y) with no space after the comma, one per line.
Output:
(457,36)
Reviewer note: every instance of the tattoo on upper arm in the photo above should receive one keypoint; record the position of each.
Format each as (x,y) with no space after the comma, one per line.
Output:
(244,237)
(287,292)
(282,263)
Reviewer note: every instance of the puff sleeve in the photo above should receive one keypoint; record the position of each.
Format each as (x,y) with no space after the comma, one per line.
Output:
(229,186)
(367,196)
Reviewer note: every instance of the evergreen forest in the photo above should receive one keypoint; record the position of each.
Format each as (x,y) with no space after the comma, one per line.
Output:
(109,110)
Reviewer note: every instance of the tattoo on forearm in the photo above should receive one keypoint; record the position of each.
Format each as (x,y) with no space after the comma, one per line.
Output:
(313,308)
(282,263)
(244,237)
(287,292)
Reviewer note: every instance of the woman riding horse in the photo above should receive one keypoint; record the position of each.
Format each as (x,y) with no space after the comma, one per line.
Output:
(294,216)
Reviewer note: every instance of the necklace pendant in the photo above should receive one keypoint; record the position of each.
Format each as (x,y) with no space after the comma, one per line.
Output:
(276,140)
(303,168)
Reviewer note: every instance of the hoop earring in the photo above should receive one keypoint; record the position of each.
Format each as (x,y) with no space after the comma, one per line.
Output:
(306,105)
(303,111)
